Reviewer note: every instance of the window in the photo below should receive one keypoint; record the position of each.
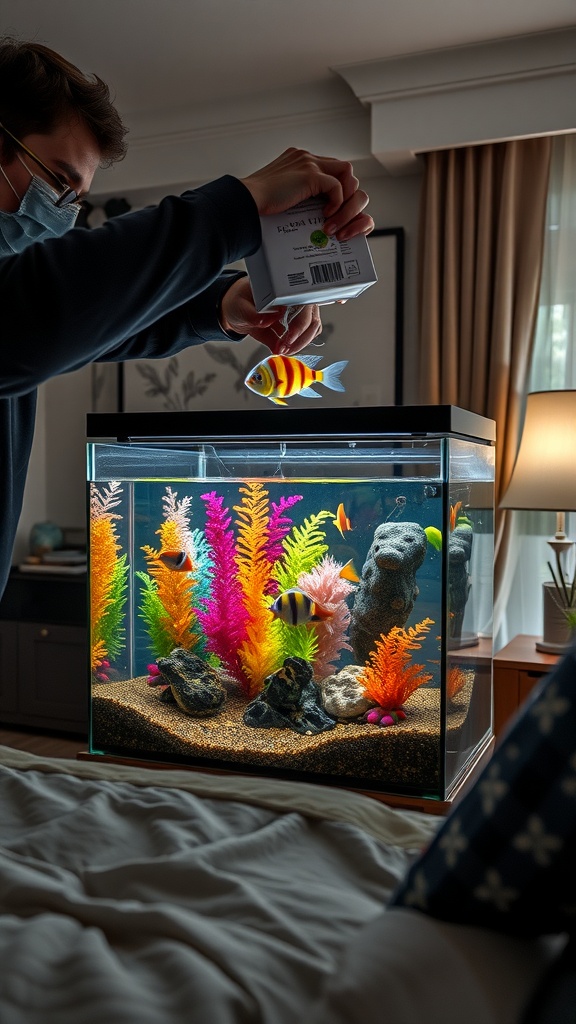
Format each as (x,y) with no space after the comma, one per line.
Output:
(553,367)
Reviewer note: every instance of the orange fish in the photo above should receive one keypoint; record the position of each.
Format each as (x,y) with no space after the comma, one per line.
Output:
(341,522)
(348,572)
(454,510)
(179,561)
(280,377)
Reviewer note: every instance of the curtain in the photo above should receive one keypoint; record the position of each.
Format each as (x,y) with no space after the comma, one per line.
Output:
(554,358)
(553,367)
(480,259)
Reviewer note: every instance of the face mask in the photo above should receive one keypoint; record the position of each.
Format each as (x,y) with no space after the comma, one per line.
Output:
(36,218)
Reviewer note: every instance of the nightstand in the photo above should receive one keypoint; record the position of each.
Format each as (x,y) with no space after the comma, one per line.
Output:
(44,652)
(517,668)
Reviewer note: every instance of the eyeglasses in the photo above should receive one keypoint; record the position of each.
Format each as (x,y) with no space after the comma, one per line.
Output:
(68,195)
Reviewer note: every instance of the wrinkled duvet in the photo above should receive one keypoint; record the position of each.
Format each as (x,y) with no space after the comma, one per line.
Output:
(138,896)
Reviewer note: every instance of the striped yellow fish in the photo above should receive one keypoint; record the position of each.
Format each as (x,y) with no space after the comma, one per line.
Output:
(296,608)
(280,377)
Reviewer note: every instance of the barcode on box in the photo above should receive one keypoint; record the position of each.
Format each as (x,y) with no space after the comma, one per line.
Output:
(325,273)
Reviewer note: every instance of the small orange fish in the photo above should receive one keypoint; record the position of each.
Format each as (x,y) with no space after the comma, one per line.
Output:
(454,510)
(341,522)
(348,572)
(179,561)
(280,377)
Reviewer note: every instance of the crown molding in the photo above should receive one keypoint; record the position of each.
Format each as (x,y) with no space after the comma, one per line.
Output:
(200,144)
(231,129)
(498,60)
(518,87)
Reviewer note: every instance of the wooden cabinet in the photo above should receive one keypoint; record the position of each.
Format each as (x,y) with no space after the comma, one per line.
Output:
(517,668)
(44,653)
(8,670)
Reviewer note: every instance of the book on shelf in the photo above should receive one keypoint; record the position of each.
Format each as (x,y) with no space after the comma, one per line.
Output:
(67,561)
(64,557)
(43,567)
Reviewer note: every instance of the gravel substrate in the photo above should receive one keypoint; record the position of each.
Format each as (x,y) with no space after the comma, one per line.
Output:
(128,717)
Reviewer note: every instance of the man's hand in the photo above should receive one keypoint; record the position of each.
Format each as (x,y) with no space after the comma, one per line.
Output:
(238,313)
(297,175)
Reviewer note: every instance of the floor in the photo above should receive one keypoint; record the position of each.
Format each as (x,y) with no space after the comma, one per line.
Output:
(41,743)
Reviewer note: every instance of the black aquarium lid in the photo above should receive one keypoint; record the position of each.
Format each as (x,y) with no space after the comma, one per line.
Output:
(394,421)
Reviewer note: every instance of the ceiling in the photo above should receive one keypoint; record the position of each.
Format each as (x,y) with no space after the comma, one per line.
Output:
(159,55)
(201,84)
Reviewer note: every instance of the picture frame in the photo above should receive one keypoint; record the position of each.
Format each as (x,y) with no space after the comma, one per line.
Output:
(366,331)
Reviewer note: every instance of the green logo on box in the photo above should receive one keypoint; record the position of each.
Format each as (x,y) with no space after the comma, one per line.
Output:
(319,239)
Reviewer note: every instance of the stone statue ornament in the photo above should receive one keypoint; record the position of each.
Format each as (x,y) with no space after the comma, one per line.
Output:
(459,580)
(388,588)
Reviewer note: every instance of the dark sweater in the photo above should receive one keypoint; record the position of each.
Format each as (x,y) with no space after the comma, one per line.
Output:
(143,286)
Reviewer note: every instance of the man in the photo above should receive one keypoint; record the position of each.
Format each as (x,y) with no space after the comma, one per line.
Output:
(145,285)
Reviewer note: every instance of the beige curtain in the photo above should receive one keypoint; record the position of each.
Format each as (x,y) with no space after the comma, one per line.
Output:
(480,259)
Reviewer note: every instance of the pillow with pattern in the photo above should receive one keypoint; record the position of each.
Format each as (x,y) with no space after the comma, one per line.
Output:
(505,858)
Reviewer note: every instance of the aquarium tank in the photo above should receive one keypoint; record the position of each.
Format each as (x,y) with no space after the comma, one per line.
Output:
(296,593)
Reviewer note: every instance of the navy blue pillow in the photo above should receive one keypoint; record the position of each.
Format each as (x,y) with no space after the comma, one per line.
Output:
(505,858)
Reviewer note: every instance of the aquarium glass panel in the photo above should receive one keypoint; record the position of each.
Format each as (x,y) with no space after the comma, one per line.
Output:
(311,608)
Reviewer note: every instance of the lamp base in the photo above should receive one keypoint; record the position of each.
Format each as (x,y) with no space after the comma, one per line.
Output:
(549,648)
(557,635)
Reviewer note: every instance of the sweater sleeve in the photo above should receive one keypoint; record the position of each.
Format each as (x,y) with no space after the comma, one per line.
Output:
(192,324)
(144,285)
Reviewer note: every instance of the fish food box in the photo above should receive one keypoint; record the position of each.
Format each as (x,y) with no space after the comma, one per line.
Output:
(298,263)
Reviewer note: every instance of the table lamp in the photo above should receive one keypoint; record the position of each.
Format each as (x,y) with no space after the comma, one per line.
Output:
(544,478)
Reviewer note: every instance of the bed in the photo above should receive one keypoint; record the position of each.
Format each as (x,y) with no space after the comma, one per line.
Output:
(140,896)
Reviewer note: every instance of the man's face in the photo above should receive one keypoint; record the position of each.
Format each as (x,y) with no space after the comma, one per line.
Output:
(71,153)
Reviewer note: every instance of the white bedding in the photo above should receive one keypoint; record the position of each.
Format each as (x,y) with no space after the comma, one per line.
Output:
(135,896)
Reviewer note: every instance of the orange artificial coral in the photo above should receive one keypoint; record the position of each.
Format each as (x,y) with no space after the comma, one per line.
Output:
(388,678)
(174,588)
(454,513)
(457,679)
(107,575)
(104,549)
(258,654)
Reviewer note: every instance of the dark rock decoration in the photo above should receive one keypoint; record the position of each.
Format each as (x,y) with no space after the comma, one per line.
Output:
(290,700)
(193,683)
(343,696)
(387,589)
(459,580)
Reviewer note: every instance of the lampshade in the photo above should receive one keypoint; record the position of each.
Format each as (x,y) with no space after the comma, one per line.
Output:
(544,475)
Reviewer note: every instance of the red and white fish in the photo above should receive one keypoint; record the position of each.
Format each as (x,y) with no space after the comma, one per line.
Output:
(280,377)
(341,522)
(179,561)
(296,608)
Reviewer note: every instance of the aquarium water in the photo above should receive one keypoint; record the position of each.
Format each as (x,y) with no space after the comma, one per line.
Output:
(278,594)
